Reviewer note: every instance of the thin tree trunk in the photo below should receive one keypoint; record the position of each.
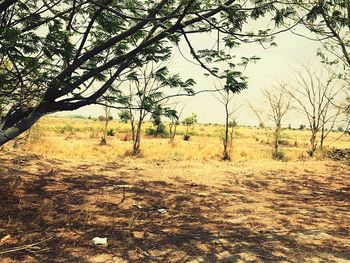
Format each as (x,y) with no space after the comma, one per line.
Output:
(277,137)
(172,131)
(136,145)
(322,137)
(313,143)
(132,123)
(226,154)
(174,134)
(104,136)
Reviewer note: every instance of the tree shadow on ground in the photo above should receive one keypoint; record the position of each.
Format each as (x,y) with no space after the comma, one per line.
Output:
(65,207)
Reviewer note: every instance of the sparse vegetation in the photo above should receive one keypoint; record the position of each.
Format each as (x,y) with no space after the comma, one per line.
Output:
(204,144)
(189,122)
(225,193)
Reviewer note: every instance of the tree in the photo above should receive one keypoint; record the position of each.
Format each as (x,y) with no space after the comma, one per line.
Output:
(174,117)
(330,22)
(156,118)
(124,116)
(63,55)
(189,122)
(150,87)
(259,113)
(280,103)
(316,99)
(225,96)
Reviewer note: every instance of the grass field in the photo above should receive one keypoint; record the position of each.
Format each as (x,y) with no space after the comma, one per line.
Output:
(78,140)
(172,203)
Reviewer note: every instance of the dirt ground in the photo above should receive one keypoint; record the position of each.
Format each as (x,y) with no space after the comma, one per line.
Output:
(212,211)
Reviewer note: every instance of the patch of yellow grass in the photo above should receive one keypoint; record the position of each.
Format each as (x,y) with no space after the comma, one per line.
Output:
(78,140)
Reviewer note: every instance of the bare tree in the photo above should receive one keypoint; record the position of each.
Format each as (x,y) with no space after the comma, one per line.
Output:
(280,103)
(225,97)
(316,96)
(261,118)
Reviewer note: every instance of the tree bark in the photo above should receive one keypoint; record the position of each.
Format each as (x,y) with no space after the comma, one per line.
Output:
(12,132)
(277,137)
(136,144)
(313,144)
(322,137)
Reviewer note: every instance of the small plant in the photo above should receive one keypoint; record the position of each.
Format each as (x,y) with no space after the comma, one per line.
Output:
(187,137)
(159,131)
(66,129)
(189,122)
(278,155)
(101,118)
(283,142)
(110,132)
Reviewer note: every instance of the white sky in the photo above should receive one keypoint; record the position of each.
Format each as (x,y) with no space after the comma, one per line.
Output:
(276,65)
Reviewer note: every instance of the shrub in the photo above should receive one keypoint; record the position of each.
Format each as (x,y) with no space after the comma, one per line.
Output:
(110,132)
(160,131)
(66,129)
(278,155)
(124,116)
(340,129)
(283,142)
(187,137)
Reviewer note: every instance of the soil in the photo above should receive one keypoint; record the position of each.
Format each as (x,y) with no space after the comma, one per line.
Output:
(170,211)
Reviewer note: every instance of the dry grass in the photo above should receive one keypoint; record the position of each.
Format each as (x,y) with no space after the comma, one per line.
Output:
(78,140)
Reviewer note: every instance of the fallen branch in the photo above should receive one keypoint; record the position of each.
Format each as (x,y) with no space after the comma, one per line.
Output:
(27,247)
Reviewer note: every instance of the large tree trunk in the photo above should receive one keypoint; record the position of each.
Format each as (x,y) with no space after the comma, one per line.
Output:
(7,134)
(22,120)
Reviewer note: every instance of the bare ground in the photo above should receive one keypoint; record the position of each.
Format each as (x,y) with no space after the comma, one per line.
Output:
(214,211)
